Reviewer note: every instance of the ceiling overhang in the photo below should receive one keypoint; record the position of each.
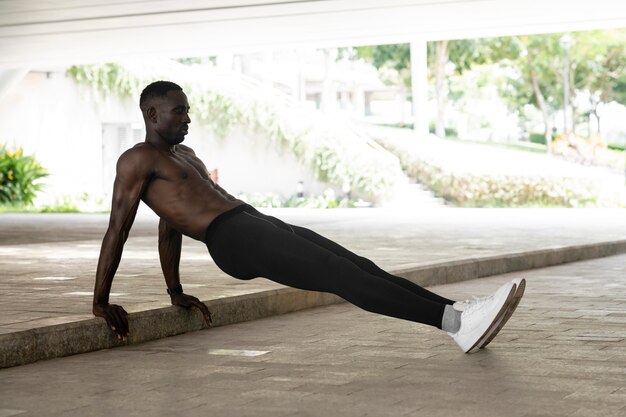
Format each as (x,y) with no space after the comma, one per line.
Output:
(54,32)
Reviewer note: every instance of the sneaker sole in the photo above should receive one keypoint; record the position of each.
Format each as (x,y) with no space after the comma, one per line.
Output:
(496,320)
(519,293)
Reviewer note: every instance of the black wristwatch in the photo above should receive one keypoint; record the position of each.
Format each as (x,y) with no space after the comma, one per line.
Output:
(176,290)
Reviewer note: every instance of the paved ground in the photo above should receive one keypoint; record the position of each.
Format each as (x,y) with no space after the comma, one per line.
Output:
(562,354)
(47,262)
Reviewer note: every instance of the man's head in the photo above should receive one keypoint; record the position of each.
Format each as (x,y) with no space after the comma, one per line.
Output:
(157,89)
(165,111)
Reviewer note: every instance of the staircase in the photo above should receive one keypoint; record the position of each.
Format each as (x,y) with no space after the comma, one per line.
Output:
(409,194)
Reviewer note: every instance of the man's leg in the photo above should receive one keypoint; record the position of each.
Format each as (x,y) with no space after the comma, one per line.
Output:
(368,265)
(362,262)
(246,246)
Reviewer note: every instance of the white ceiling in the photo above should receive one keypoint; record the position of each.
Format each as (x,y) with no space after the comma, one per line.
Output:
(55,32)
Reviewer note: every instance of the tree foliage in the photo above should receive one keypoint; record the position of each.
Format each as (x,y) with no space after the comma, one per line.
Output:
(598,68)
(531,68)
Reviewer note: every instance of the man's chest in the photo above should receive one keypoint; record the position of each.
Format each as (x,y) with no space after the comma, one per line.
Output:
(180,167)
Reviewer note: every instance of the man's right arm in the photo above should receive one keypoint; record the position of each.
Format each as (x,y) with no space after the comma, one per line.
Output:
(133,172)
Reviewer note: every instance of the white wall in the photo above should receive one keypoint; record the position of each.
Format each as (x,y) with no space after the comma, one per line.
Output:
(50,116)
(44,114)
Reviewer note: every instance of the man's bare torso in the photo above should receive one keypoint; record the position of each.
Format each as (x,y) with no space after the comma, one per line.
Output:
(179,189)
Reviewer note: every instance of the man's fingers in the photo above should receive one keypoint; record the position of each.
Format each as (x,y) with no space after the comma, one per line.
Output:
(116,318)
(189,301)
(119,321)
(204,310)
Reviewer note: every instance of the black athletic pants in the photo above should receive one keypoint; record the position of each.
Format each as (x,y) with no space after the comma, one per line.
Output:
(247,244)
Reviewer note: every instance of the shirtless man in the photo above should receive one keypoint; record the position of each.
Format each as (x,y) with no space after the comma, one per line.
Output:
(245,243)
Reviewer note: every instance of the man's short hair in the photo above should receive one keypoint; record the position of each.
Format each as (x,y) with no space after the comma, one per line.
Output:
(157,89)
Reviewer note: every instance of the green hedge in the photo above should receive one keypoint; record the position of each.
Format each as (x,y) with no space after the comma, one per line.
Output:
(481,190)
(470,190)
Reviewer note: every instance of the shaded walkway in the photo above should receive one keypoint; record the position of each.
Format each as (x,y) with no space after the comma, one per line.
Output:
(562,354)
(47,266)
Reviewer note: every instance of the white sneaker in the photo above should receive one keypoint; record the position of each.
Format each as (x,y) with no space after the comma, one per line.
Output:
(465,304)
(520,286)
(480,315)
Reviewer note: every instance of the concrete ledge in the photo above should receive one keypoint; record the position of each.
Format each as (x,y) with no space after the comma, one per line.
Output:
(478,267)
(82,336)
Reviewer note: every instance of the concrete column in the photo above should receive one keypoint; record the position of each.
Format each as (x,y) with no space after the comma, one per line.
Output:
(358,101)
(225,61)
(329,92)
(268,67)
(301,90)
(419,82)
(9,78)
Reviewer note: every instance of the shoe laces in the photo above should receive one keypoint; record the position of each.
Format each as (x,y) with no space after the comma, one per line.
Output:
(477,303)
(473,303)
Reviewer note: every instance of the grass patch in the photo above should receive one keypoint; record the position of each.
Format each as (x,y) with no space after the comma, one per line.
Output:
(514,146)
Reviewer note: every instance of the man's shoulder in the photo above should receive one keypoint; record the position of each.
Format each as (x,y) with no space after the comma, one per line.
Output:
(140,157)
(141,150)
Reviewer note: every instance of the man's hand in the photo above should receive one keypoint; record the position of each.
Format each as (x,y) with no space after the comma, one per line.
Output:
(116,317)
(189,301)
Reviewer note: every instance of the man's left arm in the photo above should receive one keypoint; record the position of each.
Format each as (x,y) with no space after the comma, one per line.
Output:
(170,245)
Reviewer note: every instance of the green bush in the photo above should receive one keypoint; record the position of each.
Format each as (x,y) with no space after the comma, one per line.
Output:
(450,132)
(539,138)
(61,205)
(616,147)
(270,200)
(19,175)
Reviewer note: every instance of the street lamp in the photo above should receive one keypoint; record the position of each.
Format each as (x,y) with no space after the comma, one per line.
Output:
(566,42)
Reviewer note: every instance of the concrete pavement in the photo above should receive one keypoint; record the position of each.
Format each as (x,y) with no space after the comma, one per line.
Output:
(47,265)
(562,354)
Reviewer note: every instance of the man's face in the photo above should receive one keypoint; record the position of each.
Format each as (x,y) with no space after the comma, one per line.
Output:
(172,122)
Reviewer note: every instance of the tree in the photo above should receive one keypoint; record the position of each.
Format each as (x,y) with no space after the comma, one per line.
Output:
(395,57)
(534,66)
(393,63)
(598,68)
(463,54)
(396,60)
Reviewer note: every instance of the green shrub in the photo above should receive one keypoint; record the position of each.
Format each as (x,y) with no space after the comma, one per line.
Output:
(450,132)
(19,175)
(271,200)
(61,205)
(616,147)
(539,138)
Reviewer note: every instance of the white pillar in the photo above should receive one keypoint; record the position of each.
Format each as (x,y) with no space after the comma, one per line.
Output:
(225,61)
(268,70)
(419,83)
(9,78)
(358,101)
(301,88)
(329,92)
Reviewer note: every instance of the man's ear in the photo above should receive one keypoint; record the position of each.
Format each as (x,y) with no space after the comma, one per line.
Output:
(151,112)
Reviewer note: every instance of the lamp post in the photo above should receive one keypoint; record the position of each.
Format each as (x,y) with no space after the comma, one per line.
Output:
(566,42)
